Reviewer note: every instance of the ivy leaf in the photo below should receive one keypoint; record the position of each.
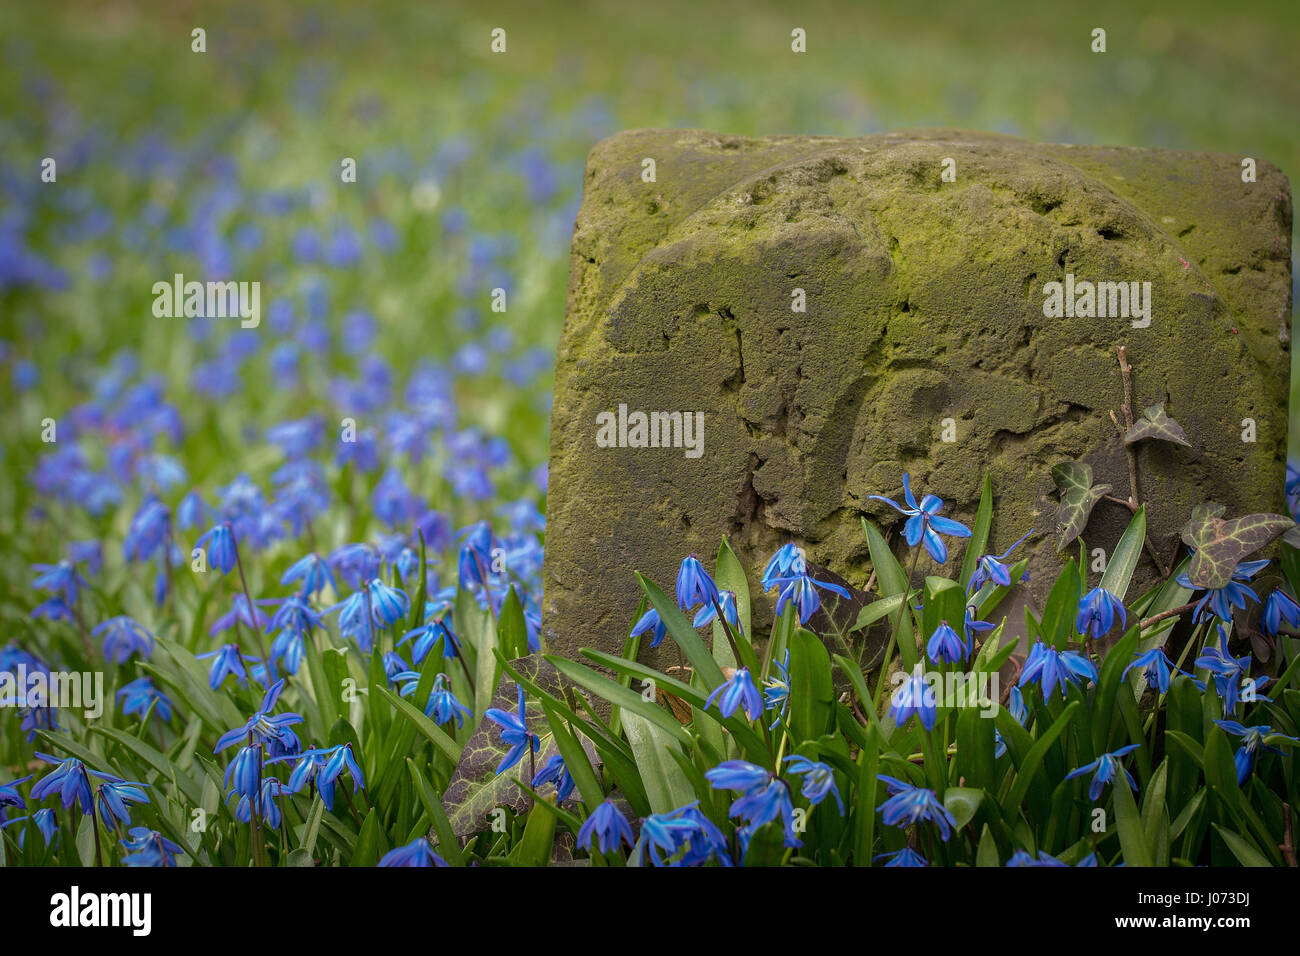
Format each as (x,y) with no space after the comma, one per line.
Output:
(1220,545)
(475,789)
(1156,423)
(1078,495)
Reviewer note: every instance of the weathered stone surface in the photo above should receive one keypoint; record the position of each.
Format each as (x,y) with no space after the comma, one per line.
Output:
(924,302)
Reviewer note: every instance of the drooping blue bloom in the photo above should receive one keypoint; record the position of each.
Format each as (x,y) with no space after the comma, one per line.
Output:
(1050,669)
(1016,706)
(221,546)
(818,780)
(1156,669)
(905,857)
(139,694)
(114,798)
(355,563)
(914,696)
(924,522)
(993,568)
(515,732)
(1227,671)
(694,585)
(768,804)
(738,775)
(776,690)
(313,572)
(739,691)
(1022,858)
(427,635)
(145,847)
(708,613)
(336,760)
(789,561)
(554,771)
(703,841)
(1097,612)
(946,645)
(1104,769)
(802,590)
(70,779)
(1278,607)
(147,535)
(908,805)
(268,806)
(388,605)
(355,619)
(192,512)
(650,621)
(62,577)
(1254,740)
(10,797)
(418,852)
(263,727)
(1221,601)
(226,660)
(124,636)
(442,705)
(44,819)
(607,826)
(662,836)
(241,612)
(245,769)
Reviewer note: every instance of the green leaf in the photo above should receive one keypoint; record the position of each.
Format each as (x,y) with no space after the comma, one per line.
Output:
(1062,606)
(665,784)
(1078,495)
(962,803)
(371,843)
(682,633)
(979,538)
(512,631)
(1132,838)
(812,693)
(436,735)
(729,574)
(1120,567)
(877,610)
(1029,767)
(1220,545)
(86,841)
(987,854)
(1242,848)
(1154,422)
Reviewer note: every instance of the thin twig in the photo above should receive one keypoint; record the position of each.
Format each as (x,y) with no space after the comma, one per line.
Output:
(1133,503)
(1163,615)
(1288,845)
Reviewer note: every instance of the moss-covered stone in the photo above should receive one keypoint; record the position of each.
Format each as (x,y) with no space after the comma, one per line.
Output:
(924,303)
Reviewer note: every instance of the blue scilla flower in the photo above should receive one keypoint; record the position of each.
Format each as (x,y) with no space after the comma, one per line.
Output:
(10,797)
(226,660)
(428,634)
(515,732)
(268,807)
(818,780)
(946,645)
(1022,858)
(1254,740)
(1156,669)
(607,826)
(192,512)
(1221,601)
(924,523)
(914,697)
(388,605)
(355,563)
(703,841)
(245,769)
(263,727)
(789,561)
(114,799)
(145,847)
(908,805)
(1050,669)
(44,820)
(737,692)
(650,621)
(416,853)
(124,636)
(972,627)
(1104,769)
(147,535)
(336,761)
(1227,671)
(62,577)
(70,780)
(354,619)
(905,857)
(1278,607)
(1097,612)
(763,805)
(694,585)
(738,775)
(242,611)
(993,568)
(220,540)
(554,771)
(313,574)
(708,613)
(776,690)
(140,694)
(662,836)
(1016,706)
(802,591)
(442,705)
